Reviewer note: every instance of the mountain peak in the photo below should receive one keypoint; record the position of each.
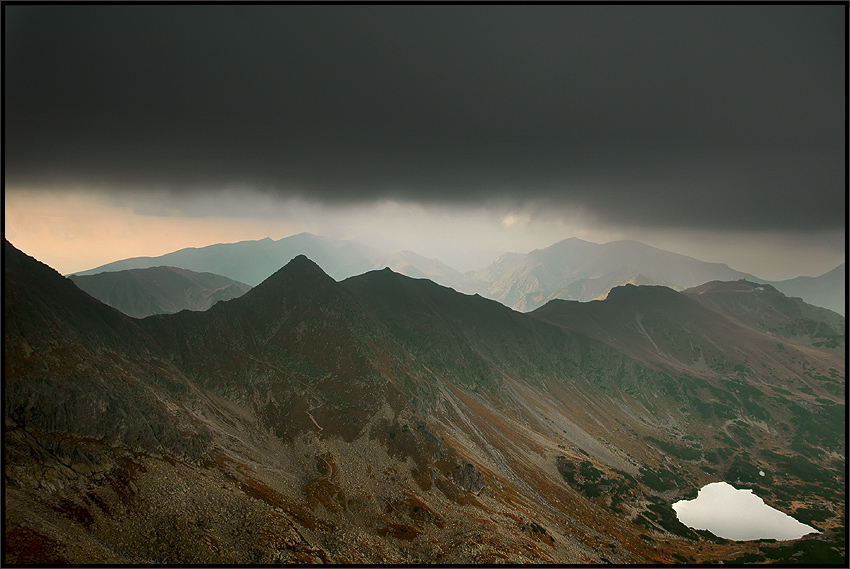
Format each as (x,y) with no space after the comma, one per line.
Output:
(300,273)
(642,293)
(303,265)
(300,282)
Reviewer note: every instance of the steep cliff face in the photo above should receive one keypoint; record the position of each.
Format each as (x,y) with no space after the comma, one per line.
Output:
(388,419)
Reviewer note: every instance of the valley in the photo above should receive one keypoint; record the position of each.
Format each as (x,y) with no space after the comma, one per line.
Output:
(385,419)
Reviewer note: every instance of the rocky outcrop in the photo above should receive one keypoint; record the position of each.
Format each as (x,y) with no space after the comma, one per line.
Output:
(469,478)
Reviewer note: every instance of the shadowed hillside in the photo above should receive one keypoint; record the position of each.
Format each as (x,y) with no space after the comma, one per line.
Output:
(159,290)
(763,307)
(386,419)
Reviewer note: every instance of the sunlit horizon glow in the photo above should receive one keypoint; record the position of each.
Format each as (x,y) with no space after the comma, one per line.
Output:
(76,232)
(81,230)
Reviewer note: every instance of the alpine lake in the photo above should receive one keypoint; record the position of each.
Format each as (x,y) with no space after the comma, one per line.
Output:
(737,515)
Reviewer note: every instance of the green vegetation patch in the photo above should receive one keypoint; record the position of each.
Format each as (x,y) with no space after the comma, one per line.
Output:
(821,424)
(659,480)
(665,516)
(807,552)
(743,470)
(741,431)
(593,482)
(811,516)
(683,452)
(750,558)
(715,409)
(712,457)
(804,469)
(707,535)
(799,445)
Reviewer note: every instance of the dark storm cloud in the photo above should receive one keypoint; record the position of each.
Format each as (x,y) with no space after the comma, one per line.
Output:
(709,116)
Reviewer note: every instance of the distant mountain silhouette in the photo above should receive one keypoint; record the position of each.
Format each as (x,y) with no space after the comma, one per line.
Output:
(416,266)
(159,290)
(828,290)
(574,269)
(251,262)
(701,326)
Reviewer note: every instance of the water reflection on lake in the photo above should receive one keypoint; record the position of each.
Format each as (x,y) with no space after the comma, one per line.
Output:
(737,514)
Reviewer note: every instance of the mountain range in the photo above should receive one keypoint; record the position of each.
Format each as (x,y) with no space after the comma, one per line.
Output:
(387,419)
(252,262)
(159,290)
(579,270)
(572,269)
(828,290)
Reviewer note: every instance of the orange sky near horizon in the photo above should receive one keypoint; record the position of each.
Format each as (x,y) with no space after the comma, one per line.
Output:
(76,232)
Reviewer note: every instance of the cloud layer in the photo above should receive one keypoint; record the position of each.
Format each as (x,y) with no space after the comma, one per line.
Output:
(712,117)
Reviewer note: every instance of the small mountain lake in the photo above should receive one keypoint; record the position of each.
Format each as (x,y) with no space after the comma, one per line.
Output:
(736,514)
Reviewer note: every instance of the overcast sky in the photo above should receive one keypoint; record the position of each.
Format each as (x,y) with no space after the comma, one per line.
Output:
(456,131)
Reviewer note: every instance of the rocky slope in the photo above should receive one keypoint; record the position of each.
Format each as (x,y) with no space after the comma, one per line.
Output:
(159,290)
(388,419)
(763,307)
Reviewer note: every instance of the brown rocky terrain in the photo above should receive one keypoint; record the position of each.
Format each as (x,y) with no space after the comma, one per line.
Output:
(384,419)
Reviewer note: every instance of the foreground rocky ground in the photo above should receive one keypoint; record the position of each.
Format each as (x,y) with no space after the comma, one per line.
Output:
(389,420)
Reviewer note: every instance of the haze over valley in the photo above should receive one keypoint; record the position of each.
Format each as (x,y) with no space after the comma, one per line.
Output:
(572,269)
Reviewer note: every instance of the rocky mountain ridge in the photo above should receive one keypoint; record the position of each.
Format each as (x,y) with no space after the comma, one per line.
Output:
(389,419)
(765,308)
